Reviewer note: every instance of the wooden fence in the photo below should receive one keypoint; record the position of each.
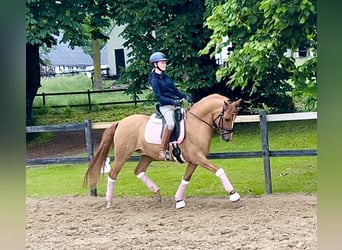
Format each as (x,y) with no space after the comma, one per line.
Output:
(264,153)
(89,103)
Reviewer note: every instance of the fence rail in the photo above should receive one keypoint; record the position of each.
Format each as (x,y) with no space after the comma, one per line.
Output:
(89,103)
(264,153)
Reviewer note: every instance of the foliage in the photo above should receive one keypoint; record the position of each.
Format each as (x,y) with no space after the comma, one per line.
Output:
(79,22)
(173,27)
(45,19)
(261,31)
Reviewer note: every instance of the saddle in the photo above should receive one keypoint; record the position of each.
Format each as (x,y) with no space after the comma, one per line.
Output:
(155,126)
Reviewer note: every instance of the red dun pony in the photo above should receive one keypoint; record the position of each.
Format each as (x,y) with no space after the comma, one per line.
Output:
(127,135)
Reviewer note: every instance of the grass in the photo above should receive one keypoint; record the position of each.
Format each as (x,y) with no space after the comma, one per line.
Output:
(289,174)
(75,83)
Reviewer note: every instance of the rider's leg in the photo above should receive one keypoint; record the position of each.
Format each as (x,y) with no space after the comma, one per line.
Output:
(163,155)
(168,113)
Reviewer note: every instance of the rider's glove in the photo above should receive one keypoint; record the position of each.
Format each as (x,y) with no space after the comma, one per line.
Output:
(188,99)
(177,102)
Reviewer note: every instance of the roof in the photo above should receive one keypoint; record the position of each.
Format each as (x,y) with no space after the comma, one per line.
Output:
(62,54)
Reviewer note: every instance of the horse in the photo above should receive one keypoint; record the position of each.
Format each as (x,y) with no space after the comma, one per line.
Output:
(126,136)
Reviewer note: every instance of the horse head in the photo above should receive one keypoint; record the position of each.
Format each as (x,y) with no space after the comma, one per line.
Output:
(224,121)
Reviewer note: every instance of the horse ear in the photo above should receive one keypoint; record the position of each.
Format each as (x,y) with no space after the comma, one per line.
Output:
(228,102)
(237,103)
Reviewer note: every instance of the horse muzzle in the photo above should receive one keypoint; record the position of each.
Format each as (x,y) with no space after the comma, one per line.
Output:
(226,137)
(226,134)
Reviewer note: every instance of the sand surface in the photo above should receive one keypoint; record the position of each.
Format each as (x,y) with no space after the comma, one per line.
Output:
(277,221)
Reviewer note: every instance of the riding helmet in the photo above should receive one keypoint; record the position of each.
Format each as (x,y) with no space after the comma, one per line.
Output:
(157,57)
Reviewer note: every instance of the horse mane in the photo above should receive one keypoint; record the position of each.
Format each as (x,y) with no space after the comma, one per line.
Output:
(213,96)
(210,98)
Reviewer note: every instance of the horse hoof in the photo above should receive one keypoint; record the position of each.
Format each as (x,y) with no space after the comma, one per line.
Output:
(109,204)
(234,197)
(157,198)
(180,204)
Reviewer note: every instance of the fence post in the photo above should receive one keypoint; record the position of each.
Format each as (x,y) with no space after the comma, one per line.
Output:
(90,149)
(43,95)
(89,138)
(135,96)
(89,100)
(265,151)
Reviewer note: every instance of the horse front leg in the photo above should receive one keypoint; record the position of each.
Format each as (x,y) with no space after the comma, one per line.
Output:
(179,196)
(233,195)
(219,172)
(140,172)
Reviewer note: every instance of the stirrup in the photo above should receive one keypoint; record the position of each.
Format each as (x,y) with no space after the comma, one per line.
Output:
(164,155)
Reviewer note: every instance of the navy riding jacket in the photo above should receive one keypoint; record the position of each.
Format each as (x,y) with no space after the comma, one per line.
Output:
(164,89)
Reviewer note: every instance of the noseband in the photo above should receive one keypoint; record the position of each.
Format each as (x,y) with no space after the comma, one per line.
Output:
(217,125)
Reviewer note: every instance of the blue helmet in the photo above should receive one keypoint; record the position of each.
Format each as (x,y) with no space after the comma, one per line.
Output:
(157,57)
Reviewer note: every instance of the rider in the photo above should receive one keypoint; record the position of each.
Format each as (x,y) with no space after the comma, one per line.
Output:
(167,95)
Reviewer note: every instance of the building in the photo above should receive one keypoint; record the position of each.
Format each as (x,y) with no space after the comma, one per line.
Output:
(61,59)
(114,53)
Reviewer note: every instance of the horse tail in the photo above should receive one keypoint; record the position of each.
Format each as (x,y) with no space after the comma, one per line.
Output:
(94,170)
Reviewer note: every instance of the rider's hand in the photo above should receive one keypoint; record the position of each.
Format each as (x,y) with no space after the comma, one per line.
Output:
(188,99)
(177,102)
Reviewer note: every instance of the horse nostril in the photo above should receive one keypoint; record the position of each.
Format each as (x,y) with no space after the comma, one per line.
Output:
(225,138)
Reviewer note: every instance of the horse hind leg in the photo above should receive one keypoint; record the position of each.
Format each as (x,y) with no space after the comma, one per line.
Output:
(140,172)
(119,161)
(179,196)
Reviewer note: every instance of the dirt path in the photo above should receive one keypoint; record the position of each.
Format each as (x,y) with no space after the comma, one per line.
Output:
(276,222)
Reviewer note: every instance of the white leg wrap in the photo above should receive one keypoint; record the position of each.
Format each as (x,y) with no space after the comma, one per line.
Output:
(179,196)
(219,172)
(224,179)
(148,182)
(110,188)
(141,175)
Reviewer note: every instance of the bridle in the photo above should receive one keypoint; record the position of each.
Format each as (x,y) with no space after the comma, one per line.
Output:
(217,125)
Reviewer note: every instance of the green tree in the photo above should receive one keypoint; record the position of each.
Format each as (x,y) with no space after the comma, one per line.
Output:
(261,32)
(174,27)
(45,19)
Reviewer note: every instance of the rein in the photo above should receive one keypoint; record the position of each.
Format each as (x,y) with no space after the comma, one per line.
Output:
(199,118)
(219,127)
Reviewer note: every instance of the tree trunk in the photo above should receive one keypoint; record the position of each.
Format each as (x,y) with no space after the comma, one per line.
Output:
(32,79)
(97,64)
